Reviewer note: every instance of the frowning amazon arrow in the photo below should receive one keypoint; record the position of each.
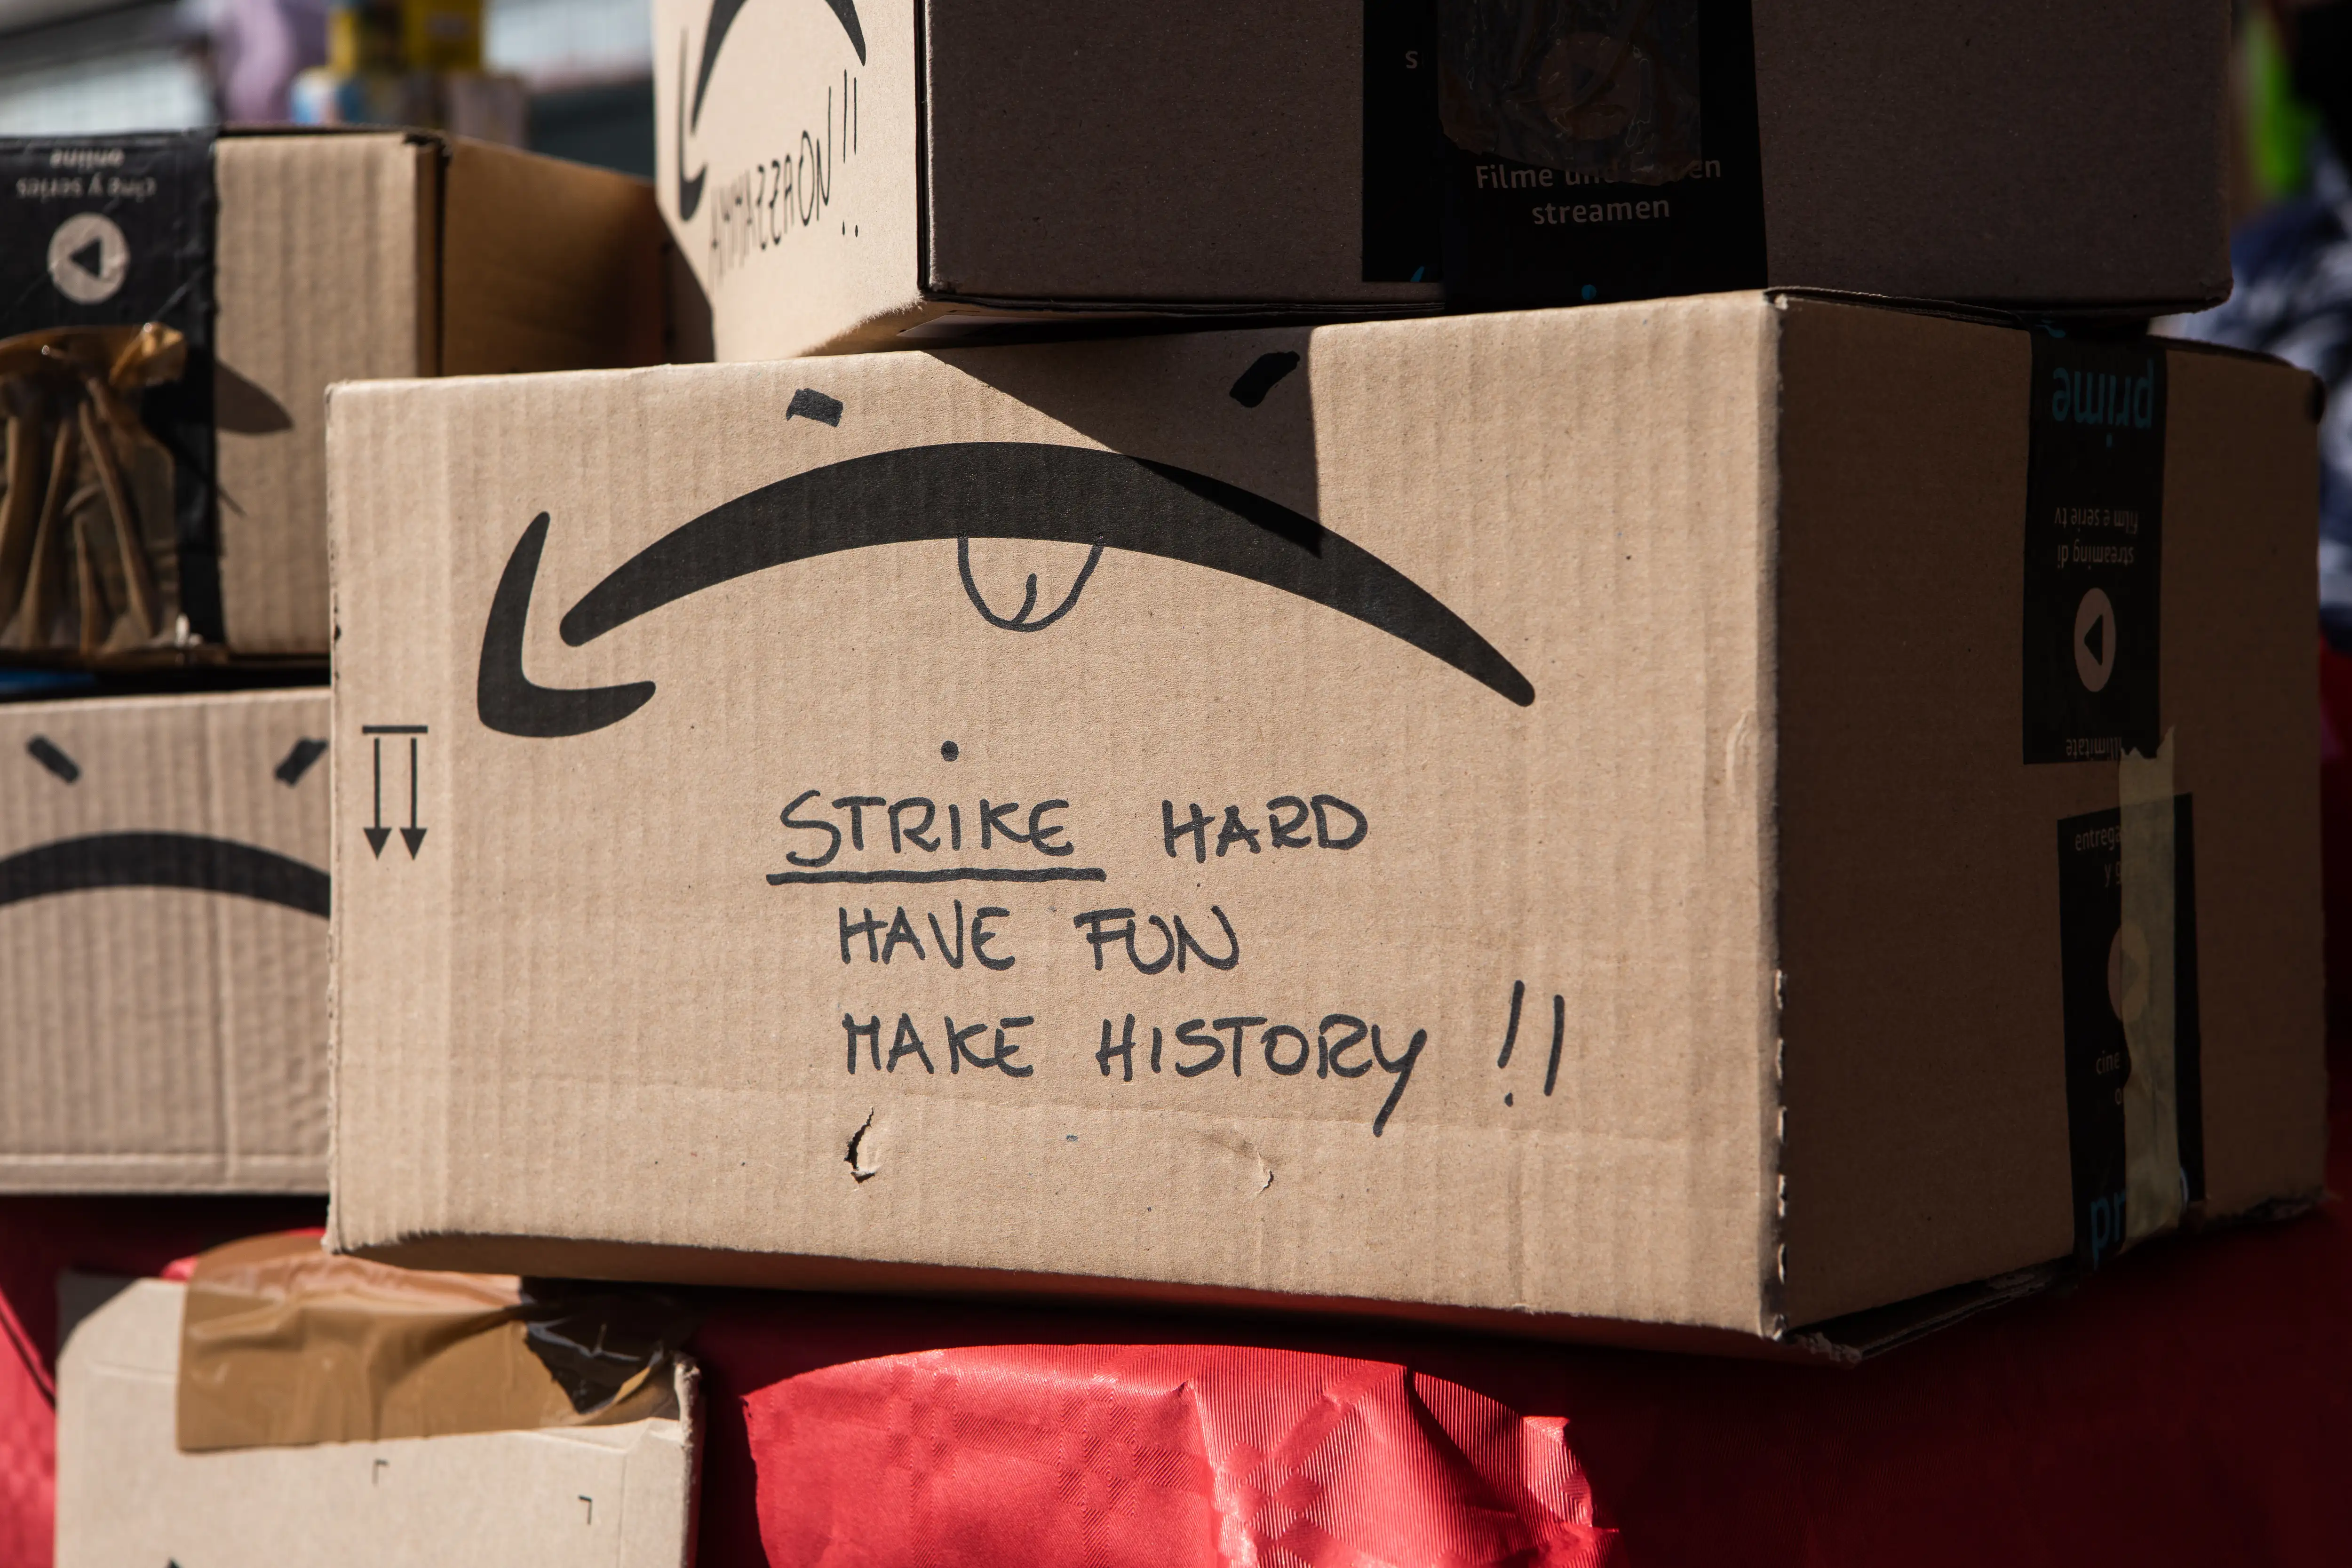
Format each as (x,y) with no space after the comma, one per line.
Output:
(980,490)
(188,860)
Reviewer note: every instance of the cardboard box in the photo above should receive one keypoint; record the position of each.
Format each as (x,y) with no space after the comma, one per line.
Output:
(285,262)
(844,177)
(1589,702)
(603,1495)
(164,932)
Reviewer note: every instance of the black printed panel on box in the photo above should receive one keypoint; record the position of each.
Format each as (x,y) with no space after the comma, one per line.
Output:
(1585,150)
(2093,550)
(2105,968)
(114,231)
(1404,152)
(106,232)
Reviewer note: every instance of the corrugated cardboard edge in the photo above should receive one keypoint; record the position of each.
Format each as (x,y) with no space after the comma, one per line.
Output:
(685,1383)
(1772,1208)
(163,1175)
(1050,317)
(651,1262)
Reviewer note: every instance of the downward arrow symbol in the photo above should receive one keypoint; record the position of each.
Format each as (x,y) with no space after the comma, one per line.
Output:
(412,835)
(377,835)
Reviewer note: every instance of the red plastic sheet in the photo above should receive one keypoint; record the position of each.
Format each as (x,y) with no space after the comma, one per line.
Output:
(1160,1457)
(2190,1404)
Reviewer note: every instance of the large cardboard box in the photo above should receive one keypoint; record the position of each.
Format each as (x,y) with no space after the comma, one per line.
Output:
(845,176)
(1619,813)
(615,1497)
(163,943)
(285,261)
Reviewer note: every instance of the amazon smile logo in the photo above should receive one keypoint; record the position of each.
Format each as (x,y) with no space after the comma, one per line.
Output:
(966,491)
(714,33)
(189,860)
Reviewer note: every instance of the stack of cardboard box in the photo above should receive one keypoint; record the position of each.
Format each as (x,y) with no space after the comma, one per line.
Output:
(172,311)
(1735,772)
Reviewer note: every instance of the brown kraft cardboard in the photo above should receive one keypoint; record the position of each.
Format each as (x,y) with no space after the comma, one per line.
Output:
(164,900)
(848,176)
(1671,814)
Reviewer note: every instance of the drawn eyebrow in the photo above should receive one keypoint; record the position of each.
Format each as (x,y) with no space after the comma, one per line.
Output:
(299,760)
(47,752)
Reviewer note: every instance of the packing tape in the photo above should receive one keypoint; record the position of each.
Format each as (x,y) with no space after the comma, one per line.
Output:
(2143,983)
(283,1344)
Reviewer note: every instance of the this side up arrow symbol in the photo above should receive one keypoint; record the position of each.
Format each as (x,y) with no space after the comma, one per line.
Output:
(377,833)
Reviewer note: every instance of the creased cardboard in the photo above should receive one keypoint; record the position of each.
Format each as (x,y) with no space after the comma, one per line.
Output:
(164,897)
(1519,818)
(844,177)
(603,1495)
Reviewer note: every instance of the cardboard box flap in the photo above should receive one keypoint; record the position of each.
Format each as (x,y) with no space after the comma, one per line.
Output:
(546,265)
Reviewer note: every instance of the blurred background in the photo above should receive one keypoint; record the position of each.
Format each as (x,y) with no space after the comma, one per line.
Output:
(571,77)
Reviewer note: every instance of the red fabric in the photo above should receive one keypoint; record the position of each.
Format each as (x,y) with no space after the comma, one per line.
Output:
(1160,1457)
(41,1238)
(2190,1404)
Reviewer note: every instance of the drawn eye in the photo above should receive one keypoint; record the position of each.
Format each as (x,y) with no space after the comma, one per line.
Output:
(306,751)
(47,752)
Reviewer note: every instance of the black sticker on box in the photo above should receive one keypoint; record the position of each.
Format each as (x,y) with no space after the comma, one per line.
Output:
(1404,151)
(2104,969)
(1584,150)
(2093,550)
(116,231)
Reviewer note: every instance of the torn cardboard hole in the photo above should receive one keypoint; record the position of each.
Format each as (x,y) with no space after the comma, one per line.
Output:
(860,1158)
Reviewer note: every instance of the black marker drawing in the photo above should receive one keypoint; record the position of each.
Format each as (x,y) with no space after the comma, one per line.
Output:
(378,835)
(1264,370)
(1020,621)
(163,861)
(159,859)
(947,874)
(714,33)
(47,752)
(991,490)
(808,402)
(305,754)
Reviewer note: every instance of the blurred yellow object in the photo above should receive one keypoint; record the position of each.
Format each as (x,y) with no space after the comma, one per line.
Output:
(442,35)
(365,35)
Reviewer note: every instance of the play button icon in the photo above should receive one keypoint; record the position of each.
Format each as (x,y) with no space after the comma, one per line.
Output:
(88,258)
(2094,639)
